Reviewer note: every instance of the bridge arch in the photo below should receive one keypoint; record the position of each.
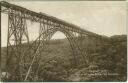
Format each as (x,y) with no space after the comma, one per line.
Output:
(76,52)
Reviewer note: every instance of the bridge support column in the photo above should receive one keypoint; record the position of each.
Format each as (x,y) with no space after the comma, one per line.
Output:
(17,34)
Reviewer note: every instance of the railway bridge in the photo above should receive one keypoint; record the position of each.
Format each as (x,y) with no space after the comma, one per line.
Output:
(26,56)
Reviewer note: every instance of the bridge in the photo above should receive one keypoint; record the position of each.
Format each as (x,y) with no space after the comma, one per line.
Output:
(25,54)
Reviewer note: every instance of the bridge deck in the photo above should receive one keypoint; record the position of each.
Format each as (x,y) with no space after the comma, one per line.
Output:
(47,17)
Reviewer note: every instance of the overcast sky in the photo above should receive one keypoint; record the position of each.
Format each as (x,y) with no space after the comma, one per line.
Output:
(105,18)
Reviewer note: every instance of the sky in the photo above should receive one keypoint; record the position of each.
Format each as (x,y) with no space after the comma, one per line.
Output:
(101,17)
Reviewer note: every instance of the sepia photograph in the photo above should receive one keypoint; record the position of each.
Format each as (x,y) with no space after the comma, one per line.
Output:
(63,41)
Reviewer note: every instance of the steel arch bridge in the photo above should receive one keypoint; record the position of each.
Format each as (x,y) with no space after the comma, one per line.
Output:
(24,59)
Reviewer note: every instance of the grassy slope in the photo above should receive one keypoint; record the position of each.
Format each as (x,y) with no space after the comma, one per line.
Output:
(108,53)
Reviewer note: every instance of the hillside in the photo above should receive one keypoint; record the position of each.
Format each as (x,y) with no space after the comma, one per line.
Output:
(106,54)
